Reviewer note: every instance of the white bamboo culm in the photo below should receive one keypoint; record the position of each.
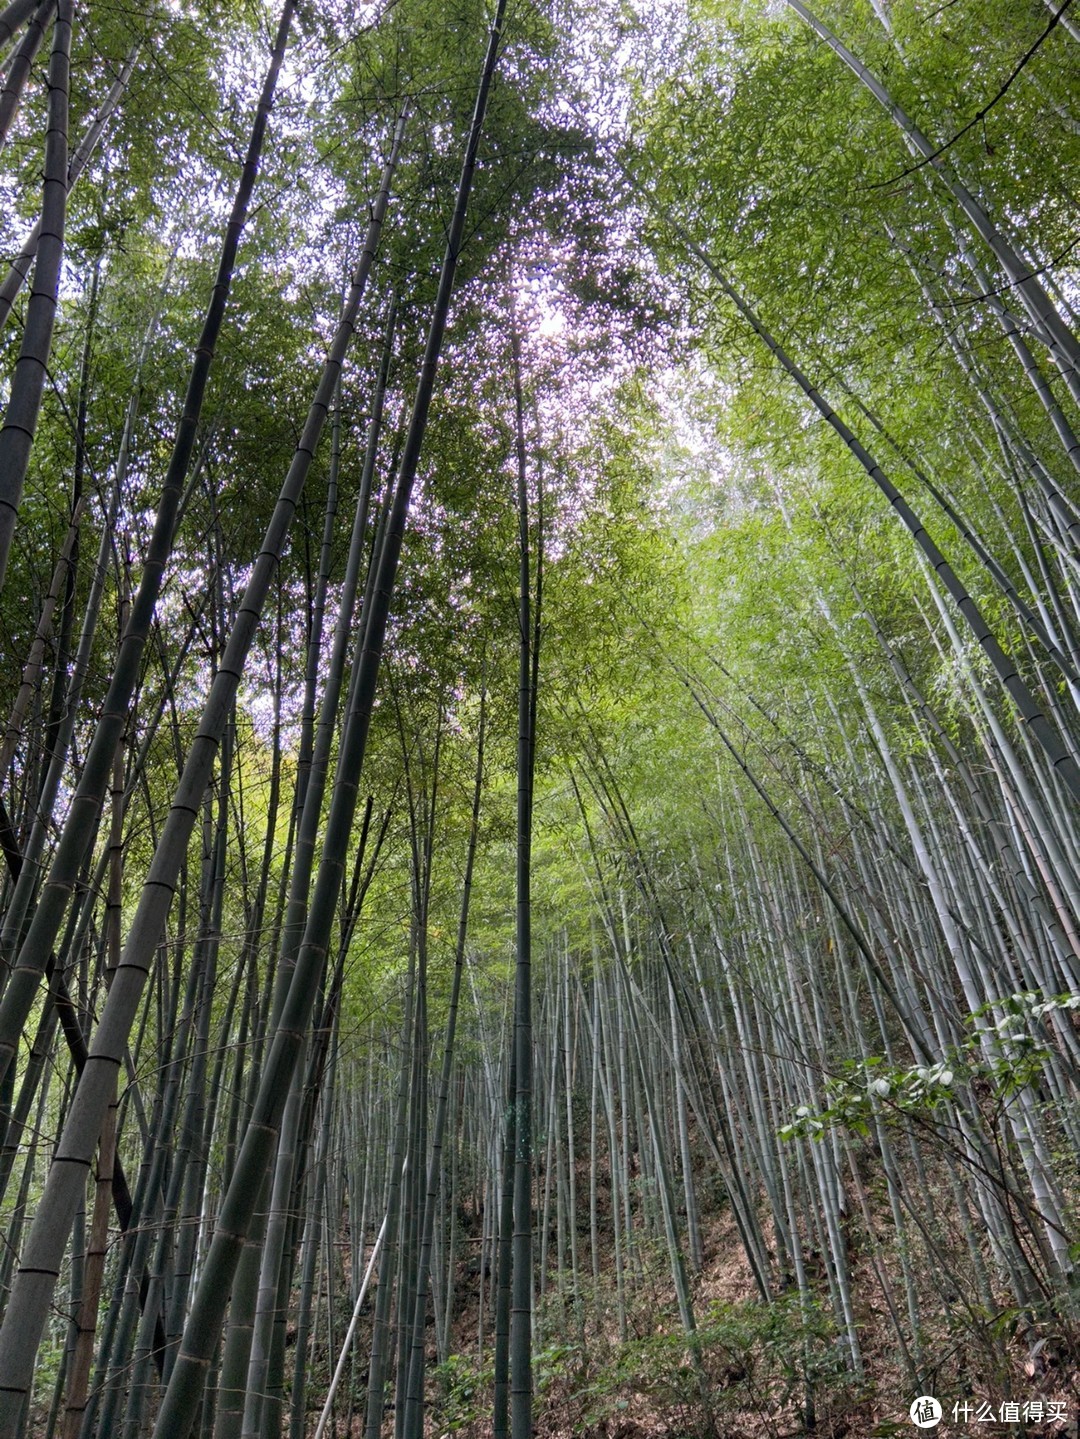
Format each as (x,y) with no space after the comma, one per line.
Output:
(343,1357)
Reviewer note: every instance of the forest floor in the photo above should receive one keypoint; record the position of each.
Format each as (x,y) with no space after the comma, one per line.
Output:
(753,1361)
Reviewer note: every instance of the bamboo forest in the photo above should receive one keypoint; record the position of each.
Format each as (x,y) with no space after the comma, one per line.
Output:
(539,719)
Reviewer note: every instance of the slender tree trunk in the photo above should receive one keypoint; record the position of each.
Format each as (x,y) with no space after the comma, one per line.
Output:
(28,382)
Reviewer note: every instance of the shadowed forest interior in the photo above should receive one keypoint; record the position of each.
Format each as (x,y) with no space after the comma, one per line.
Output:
(539,719)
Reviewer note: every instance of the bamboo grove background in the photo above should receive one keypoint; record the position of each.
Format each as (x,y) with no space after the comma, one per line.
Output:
(540,637)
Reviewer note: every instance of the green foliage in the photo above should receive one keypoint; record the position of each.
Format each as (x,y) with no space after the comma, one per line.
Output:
(713,561)
(756,1360)
(462,1392)
(1006,1056)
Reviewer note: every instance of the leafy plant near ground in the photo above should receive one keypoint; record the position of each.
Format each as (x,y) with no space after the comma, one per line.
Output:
(754,1363)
